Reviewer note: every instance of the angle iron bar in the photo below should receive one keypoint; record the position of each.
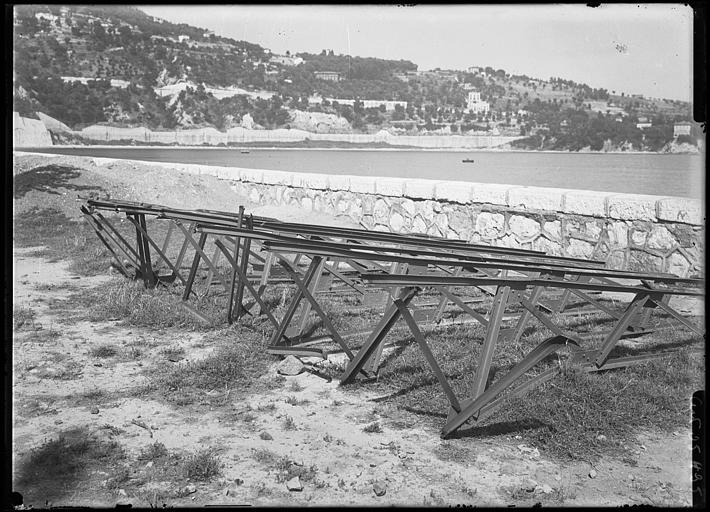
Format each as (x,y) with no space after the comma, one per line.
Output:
(306,292)
(613,337)
(133,258)
(168,236)
(489,341)
(144,258)
(152,278)
(243,272)
(264,308)
(326,249)
(104,221)
(293,306)
(666,307)
(414,328)
(195,261)
(232,282)
(306,306)
(296,351)
(399,280)
(461,304)
(534,311)
(159,251)
(184,246)
(378,334)
(519,390)
(122,268)
(472,407)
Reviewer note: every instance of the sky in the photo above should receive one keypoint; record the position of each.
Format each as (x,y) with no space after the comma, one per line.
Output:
(635,48)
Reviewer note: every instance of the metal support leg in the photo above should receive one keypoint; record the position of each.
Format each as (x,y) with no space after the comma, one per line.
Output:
(377,336)
(195,263)
(291,311)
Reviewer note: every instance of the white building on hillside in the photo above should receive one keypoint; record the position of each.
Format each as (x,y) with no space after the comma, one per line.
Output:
(475,105)
(286,60)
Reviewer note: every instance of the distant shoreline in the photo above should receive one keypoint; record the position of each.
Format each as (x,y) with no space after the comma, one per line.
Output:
(347,148)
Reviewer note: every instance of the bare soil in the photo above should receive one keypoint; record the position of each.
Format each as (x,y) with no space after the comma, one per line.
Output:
(60,386)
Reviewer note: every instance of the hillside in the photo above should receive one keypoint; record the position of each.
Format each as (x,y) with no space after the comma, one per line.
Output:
(115,65)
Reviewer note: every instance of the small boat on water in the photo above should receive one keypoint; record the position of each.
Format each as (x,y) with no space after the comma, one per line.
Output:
(467,160)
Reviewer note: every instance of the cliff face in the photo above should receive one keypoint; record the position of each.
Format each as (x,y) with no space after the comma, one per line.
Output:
(319,122)
(29,132)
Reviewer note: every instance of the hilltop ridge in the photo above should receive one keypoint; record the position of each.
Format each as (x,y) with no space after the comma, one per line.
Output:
(115,65)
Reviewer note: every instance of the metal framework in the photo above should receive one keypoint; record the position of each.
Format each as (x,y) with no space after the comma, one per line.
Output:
(524,286)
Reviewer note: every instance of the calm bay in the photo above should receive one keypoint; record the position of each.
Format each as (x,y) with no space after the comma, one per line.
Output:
(679,175)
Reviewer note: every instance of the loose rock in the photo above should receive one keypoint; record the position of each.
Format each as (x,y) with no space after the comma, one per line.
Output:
(529,485)
(94,410)
(294,484)
(593,473)
(545,489)
(190,489)
(290,366)
(379,488)
(266,436)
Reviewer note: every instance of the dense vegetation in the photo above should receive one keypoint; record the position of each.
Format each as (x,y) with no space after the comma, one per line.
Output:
(130,56)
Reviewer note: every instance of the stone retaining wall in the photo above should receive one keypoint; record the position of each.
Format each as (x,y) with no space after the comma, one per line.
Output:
(633,232)
(213,137)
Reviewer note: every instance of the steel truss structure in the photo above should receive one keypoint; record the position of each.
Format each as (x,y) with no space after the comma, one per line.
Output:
(395,269)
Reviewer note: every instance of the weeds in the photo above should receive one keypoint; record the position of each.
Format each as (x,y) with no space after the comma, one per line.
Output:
(40,335)
(289,424)
(232,365)
(373,428)
(295,386)
(292,400)
(23,318)
(202,466)
(103,351)
(156,450)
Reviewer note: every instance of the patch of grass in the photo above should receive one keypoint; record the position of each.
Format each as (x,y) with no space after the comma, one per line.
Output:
(289,424)
(23,318)
(172,352)
(236,364)
(295,386)
(103,351)
(563,417)
(159,307)
(119,479)
(94,394)
(153,451)
(40,335)
(264,456)
(202,466)
(373,428)
(61,238)
(285,468)
(575,408)
(292,400)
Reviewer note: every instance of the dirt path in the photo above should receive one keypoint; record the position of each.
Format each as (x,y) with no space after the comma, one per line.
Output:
(55,381)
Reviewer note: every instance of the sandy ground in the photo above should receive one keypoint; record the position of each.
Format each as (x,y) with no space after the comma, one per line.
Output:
(414,465)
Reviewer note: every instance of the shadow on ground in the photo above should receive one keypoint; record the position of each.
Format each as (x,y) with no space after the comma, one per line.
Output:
(53,471)
(47,178)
